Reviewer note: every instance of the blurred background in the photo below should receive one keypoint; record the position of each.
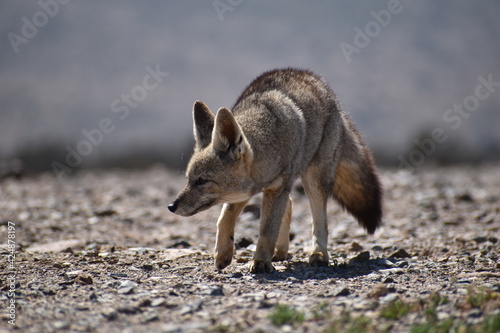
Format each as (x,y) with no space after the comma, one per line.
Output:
(99,84)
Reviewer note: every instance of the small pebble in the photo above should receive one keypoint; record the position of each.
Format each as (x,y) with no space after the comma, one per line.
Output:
(480,239)
(158,302)
(355,247)
(73,274)
(127,287)
(388,280)
(378,290)
(362,257)
(401,253)
(342,291)
(118,275)
(243,243)
(84,279)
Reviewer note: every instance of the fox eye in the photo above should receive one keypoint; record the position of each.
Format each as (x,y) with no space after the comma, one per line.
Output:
(200,181)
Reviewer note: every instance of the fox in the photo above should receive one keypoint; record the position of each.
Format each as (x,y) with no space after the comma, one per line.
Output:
(287,124)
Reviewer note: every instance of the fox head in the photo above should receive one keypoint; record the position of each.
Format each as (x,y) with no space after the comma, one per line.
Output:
(219,170)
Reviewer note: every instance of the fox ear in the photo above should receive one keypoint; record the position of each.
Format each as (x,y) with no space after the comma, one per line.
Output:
(203,120)
(228,138)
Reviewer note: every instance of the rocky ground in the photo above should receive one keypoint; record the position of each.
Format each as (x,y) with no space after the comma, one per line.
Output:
(101,253)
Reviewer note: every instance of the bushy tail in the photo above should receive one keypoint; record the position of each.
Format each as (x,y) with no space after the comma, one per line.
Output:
(357,187)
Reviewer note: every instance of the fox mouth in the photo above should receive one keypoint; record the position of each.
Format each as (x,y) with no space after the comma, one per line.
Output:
(203,207)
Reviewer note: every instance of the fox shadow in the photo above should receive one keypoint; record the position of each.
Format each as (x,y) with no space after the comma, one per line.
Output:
(297,271)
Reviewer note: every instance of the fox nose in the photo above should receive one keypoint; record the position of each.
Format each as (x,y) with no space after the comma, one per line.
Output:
(173,207)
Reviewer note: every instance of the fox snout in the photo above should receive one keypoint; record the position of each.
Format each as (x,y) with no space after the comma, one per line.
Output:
(190,202)
(178,208)
(173,206)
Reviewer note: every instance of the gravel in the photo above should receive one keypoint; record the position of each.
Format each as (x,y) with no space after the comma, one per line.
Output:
(101,253)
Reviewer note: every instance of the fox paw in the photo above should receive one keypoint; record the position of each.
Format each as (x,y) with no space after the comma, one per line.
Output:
(221,264)
(222,260)
(318,259)
(260,266)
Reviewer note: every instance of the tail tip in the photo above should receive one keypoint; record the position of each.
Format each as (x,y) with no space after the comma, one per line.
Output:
(370,216)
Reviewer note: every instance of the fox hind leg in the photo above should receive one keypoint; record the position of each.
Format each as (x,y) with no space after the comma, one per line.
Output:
(281,251)
(317,190)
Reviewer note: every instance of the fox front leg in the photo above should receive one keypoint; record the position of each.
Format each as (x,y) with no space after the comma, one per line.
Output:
(274,204)
(224,244)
